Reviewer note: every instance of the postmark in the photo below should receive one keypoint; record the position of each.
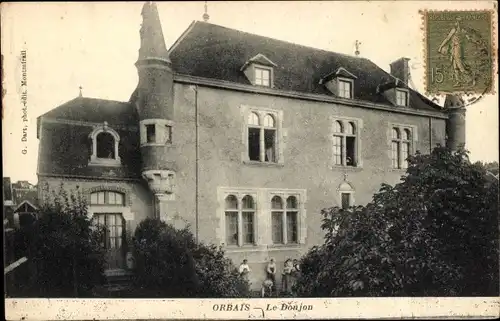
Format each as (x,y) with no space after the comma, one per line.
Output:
(459,51)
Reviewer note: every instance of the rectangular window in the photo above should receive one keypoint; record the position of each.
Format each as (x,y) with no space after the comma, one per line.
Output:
(395,155)
(113,230)
(349,150)
(150,133)
(254,144)
(346,200)
(232,228)
(401,98)
(292,227)
(248,233)
(405,153)
(277,227)
(345,89)
(262,77)
(337,150)
(168,134)
(269,142)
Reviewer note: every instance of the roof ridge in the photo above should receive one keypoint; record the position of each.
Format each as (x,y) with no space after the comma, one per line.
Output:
(284,41)
(111,100)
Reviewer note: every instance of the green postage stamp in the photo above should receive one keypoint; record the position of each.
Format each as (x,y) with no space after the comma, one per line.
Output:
(459,51)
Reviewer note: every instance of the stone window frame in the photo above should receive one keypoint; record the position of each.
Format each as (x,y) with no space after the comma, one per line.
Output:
(346,188)
(239,194)
(246,110)
(125,209)
(262,219)
(358,127)
(300,196)
(94,160)
(413,129)
(160,131)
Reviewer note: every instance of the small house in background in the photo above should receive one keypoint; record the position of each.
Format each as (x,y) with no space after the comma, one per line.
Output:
(20,203)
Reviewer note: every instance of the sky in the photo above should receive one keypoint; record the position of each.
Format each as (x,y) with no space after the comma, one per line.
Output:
(95,45)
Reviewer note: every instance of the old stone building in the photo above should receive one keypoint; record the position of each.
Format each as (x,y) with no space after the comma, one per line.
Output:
(245,138)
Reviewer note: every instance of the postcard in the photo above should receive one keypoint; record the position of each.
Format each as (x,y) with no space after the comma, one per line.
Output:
(262,160)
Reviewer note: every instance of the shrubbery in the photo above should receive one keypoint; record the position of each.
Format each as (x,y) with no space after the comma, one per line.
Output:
(433,234)
(169,263)
(63,248)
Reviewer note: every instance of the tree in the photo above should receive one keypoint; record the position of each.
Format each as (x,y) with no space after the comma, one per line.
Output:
(433,234)
(64,246)
(169,263)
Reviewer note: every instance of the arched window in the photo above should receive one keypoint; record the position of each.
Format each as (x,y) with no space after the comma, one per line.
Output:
(350,128)
(277,219)
(105,142)
(292,220)
(284,220)
(400,147)
(337,127)
(262,138)
(107,198)
(344,144)
(248,216)
(346,192)
(236,211)
(231,220)
(268,121)
(105,146)
(253,119)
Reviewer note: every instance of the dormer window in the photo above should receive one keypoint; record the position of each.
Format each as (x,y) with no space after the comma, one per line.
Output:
(396,92)
(105,146)
(401,97)
(262,76)
(340,83)
(345,88)
(105,142)
(259,70)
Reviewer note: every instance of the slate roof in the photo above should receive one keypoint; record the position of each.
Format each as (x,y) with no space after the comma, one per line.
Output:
(66,149)
(211,51)
(95,111)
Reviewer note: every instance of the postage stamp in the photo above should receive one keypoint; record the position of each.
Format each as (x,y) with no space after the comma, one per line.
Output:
(459,51)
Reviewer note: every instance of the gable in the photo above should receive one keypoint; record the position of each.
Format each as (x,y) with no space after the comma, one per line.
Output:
(25,207)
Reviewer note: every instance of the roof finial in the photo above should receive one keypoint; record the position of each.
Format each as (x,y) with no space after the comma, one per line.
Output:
(80,95)
(205,15)
(357,44)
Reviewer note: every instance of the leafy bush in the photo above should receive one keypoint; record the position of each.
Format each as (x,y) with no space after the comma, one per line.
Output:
(169,263)
(64,248)
(433,234)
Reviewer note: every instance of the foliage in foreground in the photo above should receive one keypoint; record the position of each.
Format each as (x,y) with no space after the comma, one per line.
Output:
(63,248)
(433,234)
(170,263)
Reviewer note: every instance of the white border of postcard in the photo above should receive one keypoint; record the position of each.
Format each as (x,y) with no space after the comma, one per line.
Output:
(339,308)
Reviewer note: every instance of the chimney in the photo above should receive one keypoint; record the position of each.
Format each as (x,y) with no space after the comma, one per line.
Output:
(401,70)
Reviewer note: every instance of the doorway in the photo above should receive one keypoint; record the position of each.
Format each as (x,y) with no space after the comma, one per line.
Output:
(112,239)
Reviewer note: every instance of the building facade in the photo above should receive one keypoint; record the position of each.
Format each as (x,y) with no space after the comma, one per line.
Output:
(245,138)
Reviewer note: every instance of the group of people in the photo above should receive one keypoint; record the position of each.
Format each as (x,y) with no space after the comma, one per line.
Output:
(289,276)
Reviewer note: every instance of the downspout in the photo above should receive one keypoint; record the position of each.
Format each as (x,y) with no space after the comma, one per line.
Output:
(197,160)
(430,135)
